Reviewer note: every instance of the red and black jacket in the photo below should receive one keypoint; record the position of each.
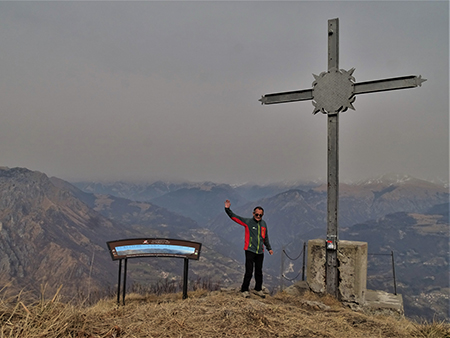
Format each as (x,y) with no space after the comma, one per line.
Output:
(255,232)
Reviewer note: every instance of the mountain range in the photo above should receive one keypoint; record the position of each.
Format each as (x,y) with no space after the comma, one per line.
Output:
(52,233)
(55,232)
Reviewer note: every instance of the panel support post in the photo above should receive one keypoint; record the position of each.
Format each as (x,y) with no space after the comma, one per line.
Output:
(118,282)
(124,281)
(185,278)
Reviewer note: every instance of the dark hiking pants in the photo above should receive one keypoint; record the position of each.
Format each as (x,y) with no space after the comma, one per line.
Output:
(255,261)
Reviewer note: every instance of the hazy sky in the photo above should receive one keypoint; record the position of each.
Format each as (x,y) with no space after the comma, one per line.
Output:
(169,90)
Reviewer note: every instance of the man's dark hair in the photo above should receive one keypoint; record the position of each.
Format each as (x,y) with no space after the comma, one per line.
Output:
(258,207)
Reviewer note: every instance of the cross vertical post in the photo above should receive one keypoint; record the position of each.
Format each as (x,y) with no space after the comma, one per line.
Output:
(333,92)
(331,271)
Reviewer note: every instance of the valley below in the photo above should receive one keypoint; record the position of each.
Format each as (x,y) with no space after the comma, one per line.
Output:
(54,232)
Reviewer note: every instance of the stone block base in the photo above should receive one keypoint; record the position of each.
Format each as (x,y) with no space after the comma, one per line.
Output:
(352,269)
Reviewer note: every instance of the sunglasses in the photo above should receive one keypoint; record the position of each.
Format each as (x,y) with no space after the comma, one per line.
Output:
(259,215)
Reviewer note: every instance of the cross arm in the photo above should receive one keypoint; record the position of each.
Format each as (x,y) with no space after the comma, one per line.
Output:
(298,95)
(396,83)
(402,82)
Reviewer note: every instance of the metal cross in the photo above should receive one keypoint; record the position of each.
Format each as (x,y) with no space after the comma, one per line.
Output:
(334,91)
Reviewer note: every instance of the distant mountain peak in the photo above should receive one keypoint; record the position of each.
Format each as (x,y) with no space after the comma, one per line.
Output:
(389,179)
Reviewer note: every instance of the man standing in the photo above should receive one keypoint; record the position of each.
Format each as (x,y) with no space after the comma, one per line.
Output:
(256,237)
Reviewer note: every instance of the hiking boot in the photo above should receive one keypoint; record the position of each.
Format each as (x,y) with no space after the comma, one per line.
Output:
(259,293)
(245,294)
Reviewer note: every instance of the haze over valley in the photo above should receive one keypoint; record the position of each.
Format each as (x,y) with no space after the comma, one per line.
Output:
(54,232)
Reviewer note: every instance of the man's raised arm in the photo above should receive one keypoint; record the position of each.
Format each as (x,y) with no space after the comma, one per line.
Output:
(227,204)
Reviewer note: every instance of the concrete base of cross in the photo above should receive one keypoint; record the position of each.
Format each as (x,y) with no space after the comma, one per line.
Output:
(352,267)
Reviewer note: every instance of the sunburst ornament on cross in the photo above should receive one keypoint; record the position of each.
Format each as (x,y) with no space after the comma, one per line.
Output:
(333,91)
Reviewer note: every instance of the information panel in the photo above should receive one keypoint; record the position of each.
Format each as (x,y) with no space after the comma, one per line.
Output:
(154,247)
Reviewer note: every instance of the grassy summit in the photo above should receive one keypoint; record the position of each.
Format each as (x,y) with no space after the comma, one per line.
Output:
(204,314)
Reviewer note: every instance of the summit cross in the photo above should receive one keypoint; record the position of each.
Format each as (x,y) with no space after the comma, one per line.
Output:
(333,92)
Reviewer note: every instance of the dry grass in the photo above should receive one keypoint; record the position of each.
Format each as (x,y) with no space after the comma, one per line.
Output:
(203,314)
